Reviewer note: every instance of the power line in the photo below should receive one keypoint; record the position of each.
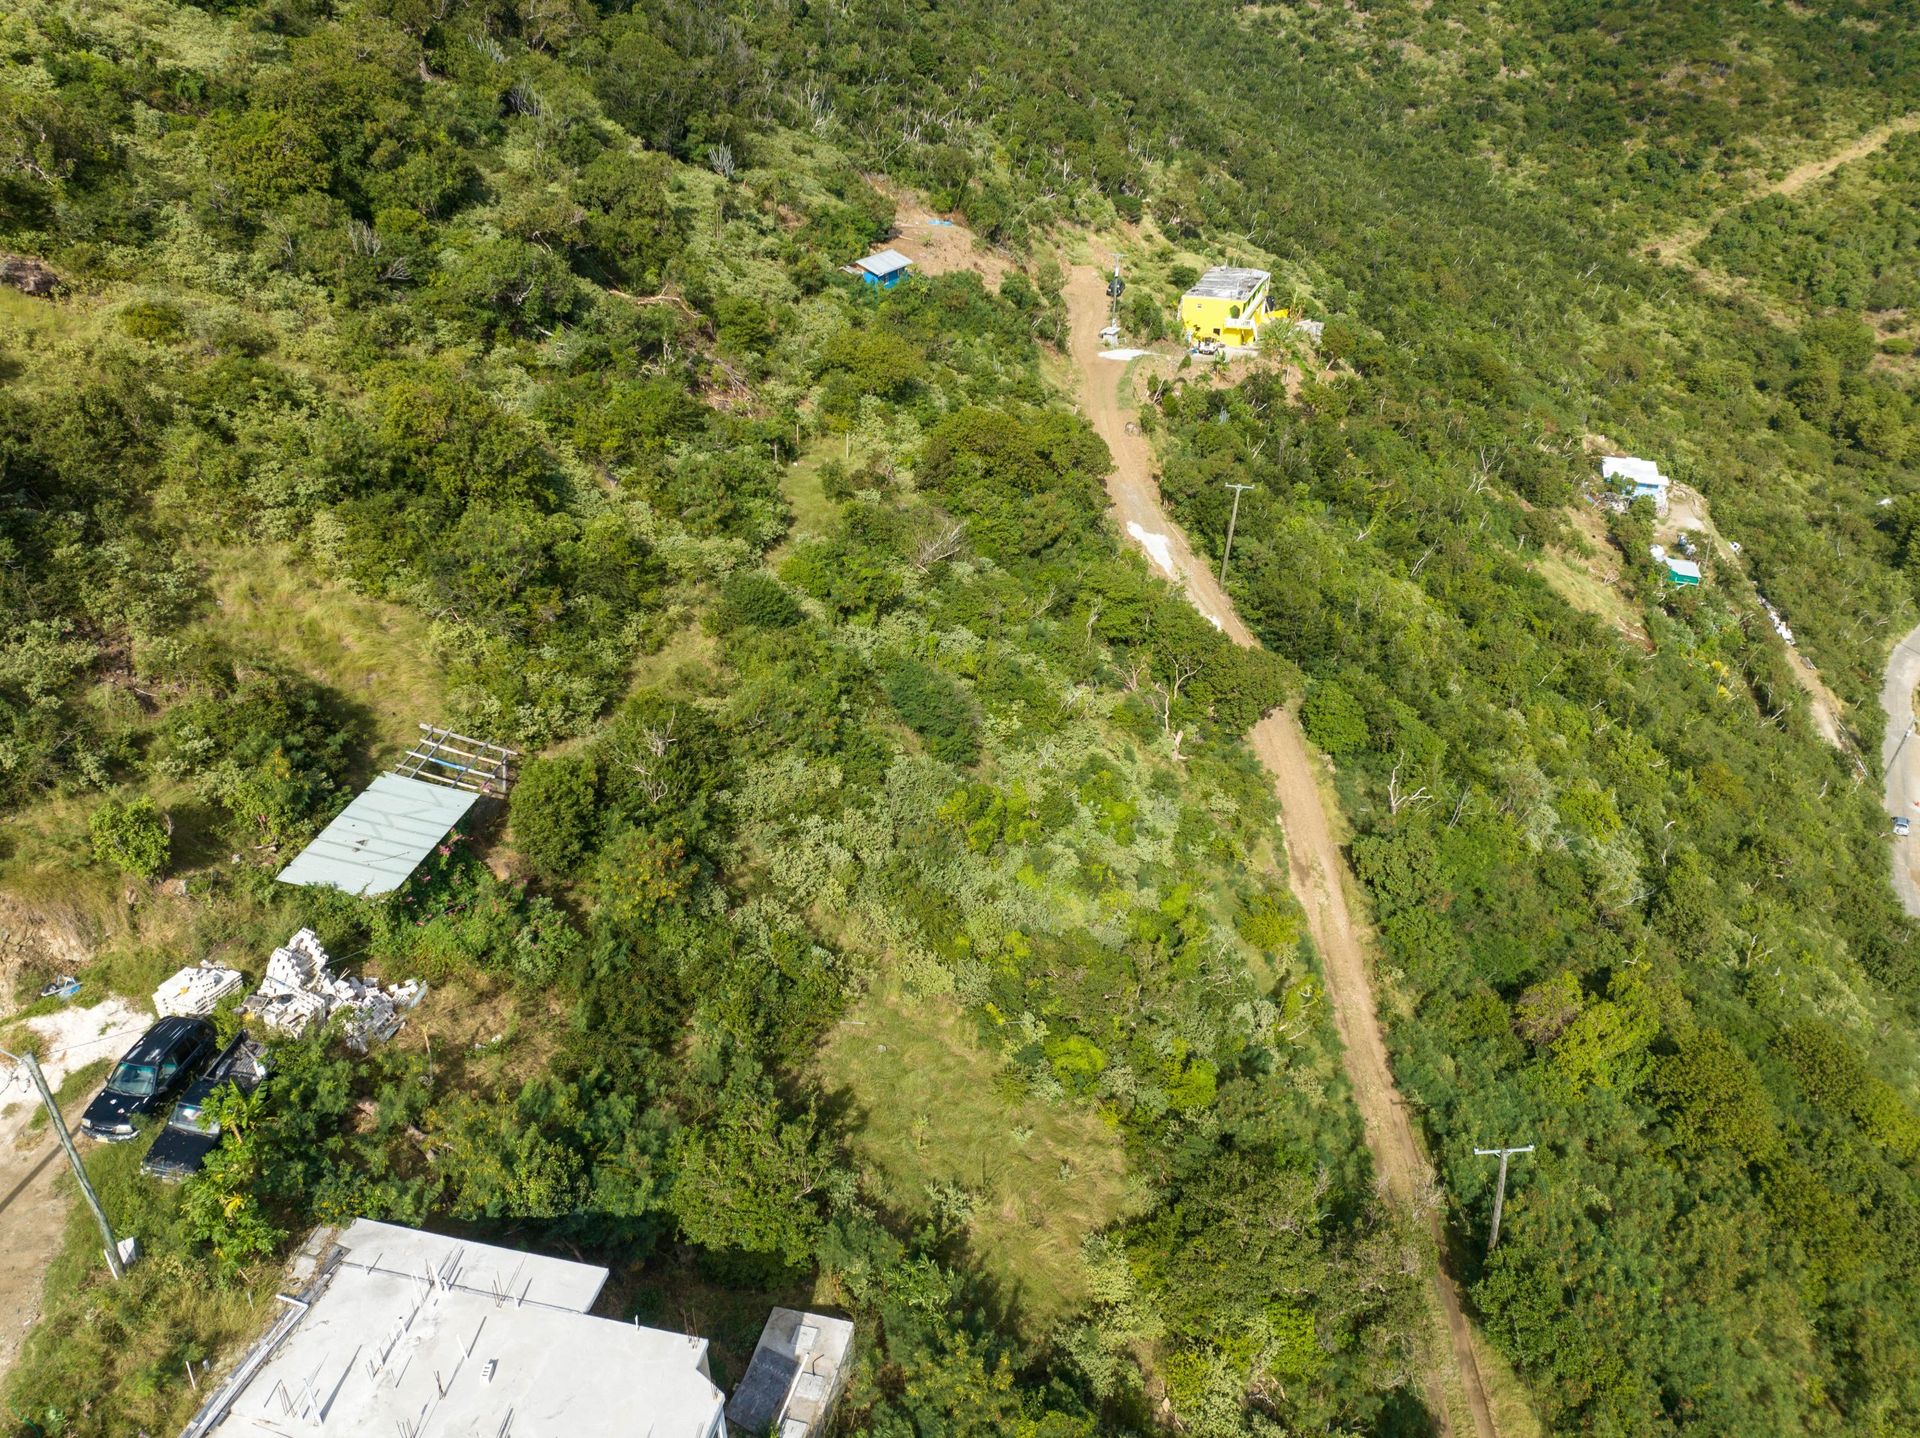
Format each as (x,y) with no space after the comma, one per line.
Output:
(1500,1189)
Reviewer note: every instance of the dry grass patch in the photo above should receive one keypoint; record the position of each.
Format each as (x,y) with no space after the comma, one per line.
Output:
(928,1112)
(1590,581)
(374,653)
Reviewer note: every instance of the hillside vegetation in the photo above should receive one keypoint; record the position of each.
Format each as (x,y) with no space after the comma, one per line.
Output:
(888,913)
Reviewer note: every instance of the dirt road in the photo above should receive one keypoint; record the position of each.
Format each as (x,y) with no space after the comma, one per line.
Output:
(34,1201)
(1900,757)
(1317,872)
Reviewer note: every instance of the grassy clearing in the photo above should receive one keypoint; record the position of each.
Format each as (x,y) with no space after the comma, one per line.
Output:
(1586,575)
(689,647)
(812,511)
(376,654)
(927,1110)
(481,1032)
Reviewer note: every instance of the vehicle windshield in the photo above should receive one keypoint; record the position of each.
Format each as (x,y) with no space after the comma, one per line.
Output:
(133,1080)
(194,1119)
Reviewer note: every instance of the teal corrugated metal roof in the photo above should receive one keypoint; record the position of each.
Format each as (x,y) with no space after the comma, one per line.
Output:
(381,837)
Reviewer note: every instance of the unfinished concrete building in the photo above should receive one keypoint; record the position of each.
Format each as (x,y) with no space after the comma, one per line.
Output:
(411,1334)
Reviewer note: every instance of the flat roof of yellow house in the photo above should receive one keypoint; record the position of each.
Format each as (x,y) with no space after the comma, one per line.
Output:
(1228,283)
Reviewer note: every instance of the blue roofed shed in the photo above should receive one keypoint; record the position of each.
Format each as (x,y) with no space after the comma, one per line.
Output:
(885,269)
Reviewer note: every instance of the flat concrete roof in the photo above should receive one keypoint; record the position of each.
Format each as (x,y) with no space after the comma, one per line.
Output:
(1229,283)
(381,837)
(796,1372)
(435,1337)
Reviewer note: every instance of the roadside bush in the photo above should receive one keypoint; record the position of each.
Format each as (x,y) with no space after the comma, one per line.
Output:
(132,836)
(1334,720)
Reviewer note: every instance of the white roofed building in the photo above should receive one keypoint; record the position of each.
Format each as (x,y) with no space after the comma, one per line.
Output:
(410,1333)
(1642,476)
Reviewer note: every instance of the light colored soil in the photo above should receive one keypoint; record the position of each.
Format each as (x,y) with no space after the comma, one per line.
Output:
(34,1203)
(1900,757)
(937,248)
(1316,870)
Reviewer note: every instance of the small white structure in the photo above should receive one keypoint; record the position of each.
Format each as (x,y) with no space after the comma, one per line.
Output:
(884,270)
(405,1332)
(196,991)
(797,1371)
(1643,477)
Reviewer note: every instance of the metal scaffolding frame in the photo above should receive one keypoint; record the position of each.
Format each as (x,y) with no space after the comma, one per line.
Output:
(459,761)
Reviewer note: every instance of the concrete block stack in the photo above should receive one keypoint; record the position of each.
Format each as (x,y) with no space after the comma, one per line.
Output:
(301,987)
(196,991)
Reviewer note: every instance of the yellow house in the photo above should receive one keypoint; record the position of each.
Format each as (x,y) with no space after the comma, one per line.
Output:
(1228,305)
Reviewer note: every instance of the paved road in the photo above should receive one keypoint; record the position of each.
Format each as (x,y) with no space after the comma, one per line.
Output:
(1900,758)
(1317,871)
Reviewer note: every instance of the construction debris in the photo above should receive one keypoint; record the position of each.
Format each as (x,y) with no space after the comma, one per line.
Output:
(301,987)
(1779,624)
(196,991)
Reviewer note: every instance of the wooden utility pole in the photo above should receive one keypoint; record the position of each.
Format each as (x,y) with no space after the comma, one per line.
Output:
(32,1066)
(1500,1188)
(1232,520)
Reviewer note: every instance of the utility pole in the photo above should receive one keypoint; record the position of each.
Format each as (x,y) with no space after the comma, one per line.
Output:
(1232,520)
(1500,1189)
(32,1066)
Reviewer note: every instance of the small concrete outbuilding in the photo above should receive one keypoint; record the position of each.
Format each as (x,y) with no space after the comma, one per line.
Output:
(885,269)
(402,1332)
(796,1374)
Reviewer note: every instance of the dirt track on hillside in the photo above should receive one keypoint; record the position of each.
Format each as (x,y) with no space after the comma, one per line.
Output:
(1677,248)
(1316,870)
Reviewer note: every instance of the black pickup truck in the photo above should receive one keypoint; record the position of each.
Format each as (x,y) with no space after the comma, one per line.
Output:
(192,1133)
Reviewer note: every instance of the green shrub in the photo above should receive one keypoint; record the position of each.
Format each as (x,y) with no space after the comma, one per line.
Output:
(554,814)
(936,709)
(1334,720)
(154,320)
(132,836)
(758,601)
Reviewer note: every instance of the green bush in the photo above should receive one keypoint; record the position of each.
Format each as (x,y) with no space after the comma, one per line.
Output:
(1334,720)
(132,836)
(554,814)
(154,320)
(757,601)
(936,709)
